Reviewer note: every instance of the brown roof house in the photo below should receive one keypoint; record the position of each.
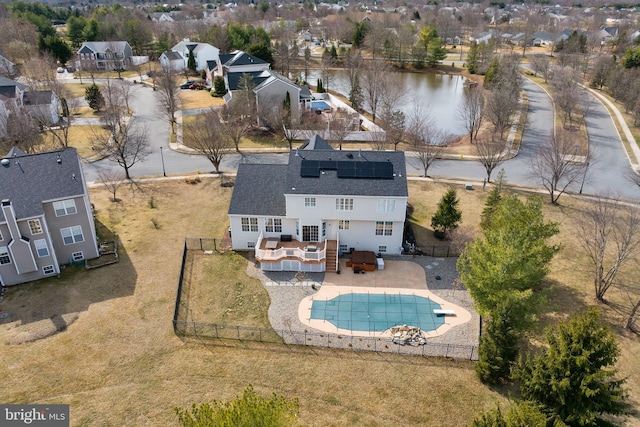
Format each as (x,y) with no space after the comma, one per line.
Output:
(46,218)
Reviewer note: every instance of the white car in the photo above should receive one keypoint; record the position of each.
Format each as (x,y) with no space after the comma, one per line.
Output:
(60,70)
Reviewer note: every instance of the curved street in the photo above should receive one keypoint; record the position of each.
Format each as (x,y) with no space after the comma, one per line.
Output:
(606,176)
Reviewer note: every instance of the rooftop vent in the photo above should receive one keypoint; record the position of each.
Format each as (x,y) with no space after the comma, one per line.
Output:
(59,160)
(5,162)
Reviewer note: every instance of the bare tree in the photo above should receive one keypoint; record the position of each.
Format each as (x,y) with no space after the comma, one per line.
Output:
(567,94)
(609,234)
(373,78)
(540,64)
(112,180)
(556,166)
(166,81)
(491,152)
(20,129)
(127,141)
(235,122)
(395,124)
(341,124)
(205,137)
(426,141)
(471,111)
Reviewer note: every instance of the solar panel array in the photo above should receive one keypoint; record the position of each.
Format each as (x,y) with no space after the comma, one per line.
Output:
(347,169)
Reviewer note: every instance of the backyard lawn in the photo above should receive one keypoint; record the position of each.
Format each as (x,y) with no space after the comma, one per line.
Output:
(119,363)
(192,99)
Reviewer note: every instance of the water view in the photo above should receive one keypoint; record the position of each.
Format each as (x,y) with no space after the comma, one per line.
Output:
(439,94)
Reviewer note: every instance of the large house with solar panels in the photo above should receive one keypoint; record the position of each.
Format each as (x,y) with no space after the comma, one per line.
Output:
(302,215)
(46,218)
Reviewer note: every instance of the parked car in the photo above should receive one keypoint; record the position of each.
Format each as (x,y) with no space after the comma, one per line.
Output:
(71,69)
(187,84)
(60,70)
(198,86)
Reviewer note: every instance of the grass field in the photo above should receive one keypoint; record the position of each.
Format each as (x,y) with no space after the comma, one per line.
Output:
(192,99)
(119,363)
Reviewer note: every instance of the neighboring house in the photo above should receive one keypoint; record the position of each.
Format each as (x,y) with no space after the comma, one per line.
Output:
(113,55)
(6,67)
(301,216)
(240,62)
(202,52)
(483,37)
(11,89)
(46,218)
(543,38)
(210,71)
(43,105)
(172,60)
(270,90)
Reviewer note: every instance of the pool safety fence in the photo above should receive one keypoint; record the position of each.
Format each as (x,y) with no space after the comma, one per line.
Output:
(216,331)
(186,327)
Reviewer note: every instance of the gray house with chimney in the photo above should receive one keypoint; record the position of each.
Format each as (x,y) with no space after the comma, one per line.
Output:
(46,218)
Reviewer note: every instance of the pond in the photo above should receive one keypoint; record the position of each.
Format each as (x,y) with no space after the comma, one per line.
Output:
(438,94)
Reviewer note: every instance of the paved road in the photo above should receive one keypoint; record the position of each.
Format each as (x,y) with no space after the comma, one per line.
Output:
(606,175)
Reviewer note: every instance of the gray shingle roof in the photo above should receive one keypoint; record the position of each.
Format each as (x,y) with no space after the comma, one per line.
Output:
(243,58)
(28,179)
(37,97)
(172,55)
(328,182)
(93,47)
(234,79)
(259,190)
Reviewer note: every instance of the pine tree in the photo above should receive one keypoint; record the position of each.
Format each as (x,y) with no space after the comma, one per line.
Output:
(490,206)
(573,378)
(94,97)
(319,88)
(498,348)
(472,58)
(447,216)
(191,61)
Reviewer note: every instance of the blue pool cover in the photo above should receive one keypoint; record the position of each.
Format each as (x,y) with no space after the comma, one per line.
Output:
(320,105)
(378,312)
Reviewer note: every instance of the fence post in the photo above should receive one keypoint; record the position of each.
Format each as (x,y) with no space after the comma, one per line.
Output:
(238,332)
(215,246)
(447,353)
(216,325)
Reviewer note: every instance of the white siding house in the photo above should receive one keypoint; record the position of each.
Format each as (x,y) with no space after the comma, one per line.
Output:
(202,52)
(301,216)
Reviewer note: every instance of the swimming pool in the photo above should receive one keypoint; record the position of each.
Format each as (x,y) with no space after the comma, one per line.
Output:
(320,106)
(377,312)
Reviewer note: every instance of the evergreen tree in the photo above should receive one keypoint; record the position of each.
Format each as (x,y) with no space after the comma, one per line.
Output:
(355,95)
(489,207)
(94,97)
(521,414)
(492,72)
(287,102)
(472,58)
(447,216)
(191,61)
(249,410)
(219,86)
(498,348)
(319,87)
(436,52)
(573,378)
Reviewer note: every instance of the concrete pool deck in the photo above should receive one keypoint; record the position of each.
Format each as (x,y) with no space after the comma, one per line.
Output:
(398,277)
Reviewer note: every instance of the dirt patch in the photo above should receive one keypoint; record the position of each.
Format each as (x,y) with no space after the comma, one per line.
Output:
(14,335)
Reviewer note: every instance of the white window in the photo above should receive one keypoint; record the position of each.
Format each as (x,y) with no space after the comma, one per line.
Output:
(77,256)
(309,202)
(251,244)
(72,235)
(48,269)
(1,236)
(41,248)
(343,224)
(4,256)
(324,229)
(384,228)
(344,248)
(386,205)
(65,207)
(34,226)
(249,224)
(343,204)
(382,249)
(297,227)
(273,225)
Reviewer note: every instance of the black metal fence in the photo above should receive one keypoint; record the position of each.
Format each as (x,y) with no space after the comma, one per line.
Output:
(184,327)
